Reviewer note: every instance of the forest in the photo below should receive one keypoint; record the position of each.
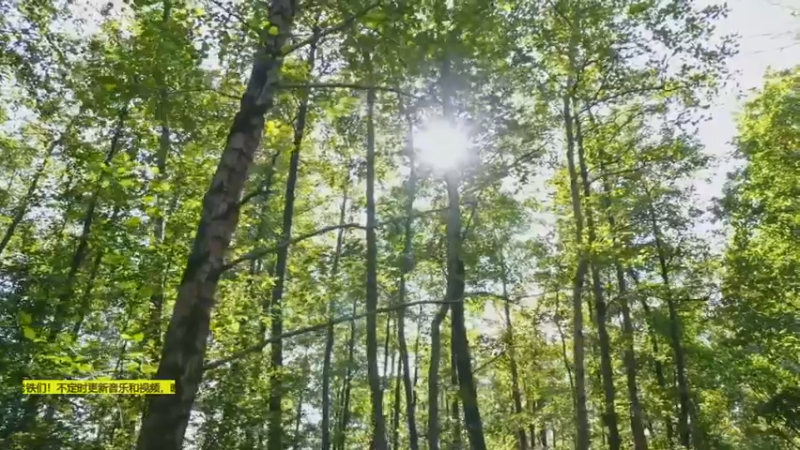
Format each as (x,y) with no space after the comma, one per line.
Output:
(393,224)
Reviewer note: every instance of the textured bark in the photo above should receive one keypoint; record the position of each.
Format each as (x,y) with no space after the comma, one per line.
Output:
(275,433)
(578,352)
(166,417)
(606,367)
(329,334)
(376,392)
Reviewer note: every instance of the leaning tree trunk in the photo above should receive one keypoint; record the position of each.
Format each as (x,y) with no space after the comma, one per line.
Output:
(340,435)
(166,417)
(606,368)
(275,433)
(376,393)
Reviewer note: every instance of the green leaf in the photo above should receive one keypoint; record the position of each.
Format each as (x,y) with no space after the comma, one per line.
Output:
(138,337)
(29,333)
(273,31)
(25,318)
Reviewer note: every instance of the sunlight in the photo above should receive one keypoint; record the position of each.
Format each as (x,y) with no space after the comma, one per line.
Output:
(442,146)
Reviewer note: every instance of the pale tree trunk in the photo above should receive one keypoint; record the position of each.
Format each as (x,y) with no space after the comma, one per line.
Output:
(329,333)
(606,367)
(376,392)
(275,435)
(166,417)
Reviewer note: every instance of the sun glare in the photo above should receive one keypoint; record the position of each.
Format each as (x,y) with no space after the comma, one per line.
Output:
(441,145)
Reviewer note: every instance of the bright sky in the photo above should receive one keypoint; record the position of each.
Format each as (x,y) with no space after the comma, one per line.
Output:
(769,39)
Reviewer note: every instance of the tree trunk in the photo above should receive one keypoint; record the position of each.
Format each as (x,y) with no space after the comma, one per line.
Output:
(684,396)
(455,294)
(157,297)
(636,415)
(606,367)
(433,378)
(22,208)
(329,334)
(275,434)
(396,409)
(166,417)
(376,392)
(341,435)
(582,413)
(657,366)
(407,266)
(516,395)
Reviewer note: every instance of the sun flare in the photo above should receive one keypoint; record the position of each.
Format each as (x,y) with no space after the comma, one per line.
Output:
(442,146)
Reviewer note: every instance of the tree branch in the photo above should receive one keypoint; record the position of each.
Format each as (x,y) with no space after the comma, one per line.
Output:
(318,327)
(255,254)
(348,86)
(328,31)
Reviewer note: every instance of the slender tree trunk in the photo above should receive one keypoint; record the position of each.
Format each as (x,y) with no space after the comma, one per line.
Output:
(341,435)
(166,417)
(298,420)
(407,267)
(564,356)
(606,367)
(82,250)
(376,392)
(455,442)
(275,439)
(433,378)
(581,411)
(387,333)
(516,395)
(157,297)
(396,409)
(25,203)
(661,379)
(455,293)
(684,396)
(416,354)
(636,415)
(329,334)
